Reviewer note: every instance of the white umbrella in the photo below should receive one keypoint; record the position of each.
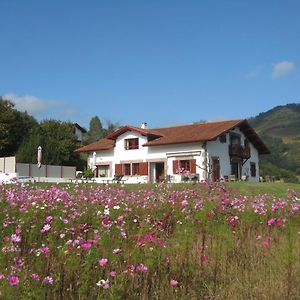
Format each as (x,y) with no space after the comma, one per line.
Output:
(39,157)
(94,161)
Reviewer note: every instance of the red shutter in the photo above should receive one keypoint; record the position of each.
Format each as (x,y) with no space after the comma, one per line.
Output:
(175,166)
(193,165)
(143,168)
(118,169)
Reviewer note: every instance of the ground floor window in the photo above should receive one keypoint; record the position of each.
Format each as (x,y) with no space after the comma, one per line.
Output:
(135,169)
(103,171)
(127,169)
(253,169)
(184,166)
(132,169)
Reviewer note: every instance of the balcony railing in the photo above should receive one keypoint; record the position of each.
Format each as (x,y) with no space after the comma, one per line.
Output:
(239,151)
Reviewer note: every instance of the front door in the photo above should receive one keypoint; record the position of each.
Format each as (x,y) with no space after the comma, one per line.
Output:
(159,171)
(236,167)
(215,169)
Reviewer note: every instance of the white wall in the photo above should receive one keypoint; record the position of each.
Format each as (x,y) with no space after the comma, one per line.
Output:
(221,150)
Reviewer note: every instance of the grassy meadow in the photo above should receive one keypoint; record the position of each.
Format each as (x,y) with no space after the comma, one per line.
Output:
(190,241)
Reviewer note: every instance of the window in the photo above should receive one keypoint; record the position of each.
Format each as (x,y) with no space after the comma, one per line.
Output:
(132,169)
(253,169)
(103,171)
(135,169)
(185,165)
(127,169)
(246,143)
(235,139)
(222,138)
(131,144)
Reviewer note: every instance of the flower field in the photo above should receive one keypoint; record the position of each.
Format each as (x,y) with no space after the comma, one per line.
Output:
(168,242)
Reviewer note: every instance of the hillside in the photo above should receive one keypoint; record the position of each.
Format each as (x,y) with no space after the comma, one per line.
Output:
(280,121)
(280,129)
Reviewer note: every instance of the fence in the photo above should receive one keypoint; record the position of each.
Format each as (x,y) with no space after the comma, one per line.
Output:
(8,165)
(47,171)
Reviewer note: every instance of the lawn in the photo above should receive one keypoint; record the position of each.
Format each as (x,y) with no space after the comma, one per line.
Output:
(186,241)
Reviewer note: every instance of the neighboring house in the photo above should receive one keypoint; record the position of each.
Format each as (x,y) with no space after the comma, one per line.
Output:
(204,151)
(79,132)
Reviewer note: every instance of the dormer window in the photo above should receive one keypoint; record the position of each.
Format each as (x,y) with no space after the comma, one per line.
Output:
(131,144)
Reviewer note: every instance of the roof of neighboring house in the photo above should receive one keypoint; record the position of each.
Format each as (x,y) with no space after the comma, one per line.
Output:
(79,127)
(198,132)
(104,144)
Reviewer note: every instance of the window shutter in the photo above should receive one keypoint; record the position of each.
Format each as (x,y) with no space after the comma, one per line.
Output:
(175,166)
(143,168)
(193,165)
(118,169)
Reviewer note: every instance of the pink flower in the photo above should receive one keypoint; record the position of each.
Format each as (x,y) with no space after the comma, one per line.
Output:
(15,238)
(160,243)
(112,274)
(271,222)
(13,280)
(184,203)
(116,251)
(265,243)
(280,222)
(86,246)
(103,261)
(35,276)
(48,280)
(45,228)
(142,268)
(105,286)
(173,282)
(203,259)
(49,219)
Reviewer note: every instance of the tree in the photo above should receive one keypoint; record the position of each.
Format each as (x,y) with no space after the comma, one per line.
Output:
(57,140)
(96,131)
(14,127)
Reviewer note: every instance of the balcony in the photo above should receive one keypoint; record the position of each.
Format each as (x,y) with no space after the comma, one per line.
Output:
(239,151)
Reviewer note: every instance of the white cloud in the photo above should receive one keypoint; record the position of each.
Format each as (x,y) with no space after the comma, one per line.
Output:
(41,108)
(282,69)
(253,73)
(33,105)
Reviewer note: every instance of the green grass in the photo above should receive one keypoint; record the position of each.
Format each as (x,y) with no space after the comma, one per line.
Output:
(278,189)
(255,188)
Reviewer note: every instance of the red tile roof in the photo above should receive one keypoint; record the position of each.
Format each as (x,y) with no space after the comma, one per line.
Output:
(198,132)
(104,144)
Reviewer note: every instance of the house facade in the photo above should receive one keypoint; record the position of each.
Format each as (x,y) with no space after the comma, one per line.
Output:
(203,151)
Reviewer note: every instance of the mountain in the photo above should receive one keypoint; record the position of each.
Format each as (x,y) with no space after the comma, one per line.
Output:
(279,128)
(280,121)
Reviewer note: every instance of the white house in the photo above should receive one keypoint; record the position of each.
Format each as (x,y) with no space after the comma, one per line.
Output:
(202,151)
(79,132)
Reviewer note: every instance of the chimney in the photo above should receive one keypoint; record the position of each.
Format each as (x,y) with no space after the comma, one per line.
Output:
(144,125)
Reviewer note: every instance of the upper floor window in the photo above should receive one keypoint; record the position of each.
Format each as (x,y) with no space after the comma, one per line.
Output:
(222,138)
(235,139)
(131,144)
(246,143)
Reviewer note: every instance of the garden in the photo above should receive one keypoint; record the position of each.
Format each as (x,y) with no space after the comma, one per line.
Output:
(165,241)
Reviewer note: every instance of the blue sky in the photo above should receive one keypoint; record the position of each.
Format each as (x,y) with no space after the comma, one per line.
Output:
(163,62)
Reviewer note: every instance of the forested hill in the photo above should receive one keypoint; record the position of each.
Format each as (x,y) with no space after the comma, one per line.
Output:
(280,121)
(279,128)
